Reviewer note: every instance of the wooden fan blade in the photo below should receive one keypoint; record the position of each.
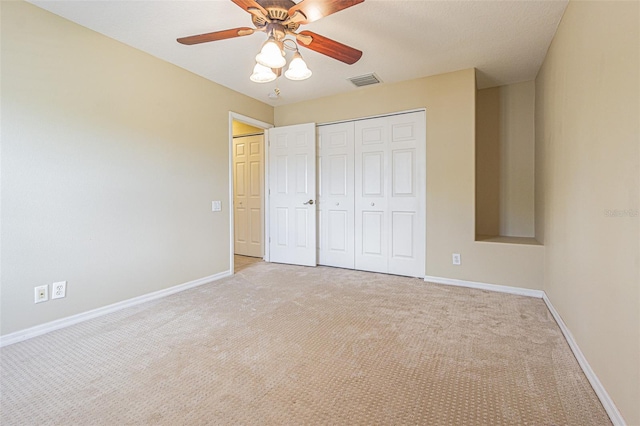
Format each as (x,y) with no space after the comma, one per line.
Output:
(247,4)
(329,47)
(296,17)
(316,9)
(217,35)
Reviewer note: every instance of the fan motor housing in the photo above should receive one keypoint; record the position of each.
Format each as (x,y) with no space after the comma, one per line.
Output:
(278,10)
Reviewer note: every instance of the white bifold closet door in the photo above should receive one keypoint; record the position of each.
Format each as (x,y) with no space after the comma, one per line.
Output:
(336,195)
(390,199)
(372,194)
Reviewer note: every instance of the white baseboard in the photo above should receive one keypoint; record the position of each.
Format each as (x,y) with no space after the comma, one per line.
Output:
(19,336)
(483,286)
(605,399)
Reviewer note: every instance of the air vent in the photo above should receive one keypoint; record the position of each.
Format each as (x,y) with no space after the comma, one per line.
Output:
(365,80)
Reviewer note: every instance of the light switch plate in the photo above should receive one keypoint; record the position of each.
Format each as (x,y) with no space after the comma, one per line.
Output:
(216,206)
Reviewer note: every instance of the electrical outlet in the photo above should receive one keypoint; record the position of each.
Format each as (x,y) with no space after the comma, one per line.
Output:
(41,294)
(456,258)
(58,290)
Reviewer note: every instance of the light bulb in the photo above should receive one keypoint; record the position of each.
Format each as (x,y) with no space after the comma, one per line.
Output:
(271,55)
(262,74)
(298,69)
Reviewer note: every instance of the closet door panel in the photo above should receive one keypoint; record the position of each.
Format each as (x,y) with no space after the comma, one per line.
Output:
(241,229)
(403,173)
(339,229)
(371,165)
(254,189)
(403,235)
(407,194)
(373,174)
(373,224)
(337,175)
(335,205)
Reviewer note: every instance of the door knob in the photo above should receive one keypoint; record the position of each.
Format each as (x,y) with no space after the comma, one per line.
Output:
(373,204)
(337,204)
(308,202)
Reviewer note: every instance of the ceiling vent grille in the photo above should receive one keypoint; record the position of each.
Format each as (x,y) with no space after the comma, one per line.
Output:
(365,80)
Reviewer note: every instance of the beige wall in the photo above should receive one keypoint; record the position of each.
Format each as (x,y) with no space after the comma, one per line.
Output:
(110,161)
(517,159)
(588,166)
(449,100)
(488,161)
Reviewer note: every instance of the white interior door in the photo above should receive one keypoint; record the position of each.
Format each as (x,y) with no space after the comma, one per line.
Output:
(335,205)
(247,195)
(292,194)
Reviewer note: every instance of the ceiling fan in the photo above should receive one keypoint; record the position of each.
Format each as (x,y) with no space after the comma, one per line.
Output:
(281,18)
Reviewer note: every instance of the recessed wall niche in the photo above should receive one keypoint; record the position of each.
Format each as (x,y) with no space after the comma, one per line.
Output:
(505,160)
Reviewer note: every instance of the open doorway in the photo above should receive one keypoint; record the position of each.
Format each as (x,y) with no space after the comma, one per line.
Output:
(247,195)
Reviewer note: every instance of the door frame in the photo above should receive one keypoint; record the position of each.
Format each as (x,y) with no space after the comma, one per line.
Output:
(234,116)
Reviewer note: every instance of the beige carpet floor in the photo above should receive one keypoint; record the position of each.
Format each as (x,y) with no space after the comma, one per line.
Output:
(278,344)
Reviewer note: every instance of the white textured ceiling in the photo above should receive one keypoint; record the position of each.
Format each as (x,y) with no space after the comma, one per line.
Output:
(401,40)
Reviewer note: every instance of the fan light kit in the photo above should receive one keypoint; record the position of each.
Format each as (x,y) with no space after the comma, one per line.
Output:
(270,60)
(279,19)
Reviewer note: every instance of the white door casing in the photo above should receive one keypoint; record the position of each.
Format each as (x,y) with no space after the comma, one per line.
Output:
(335,206)
(292,194)
(248,183)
